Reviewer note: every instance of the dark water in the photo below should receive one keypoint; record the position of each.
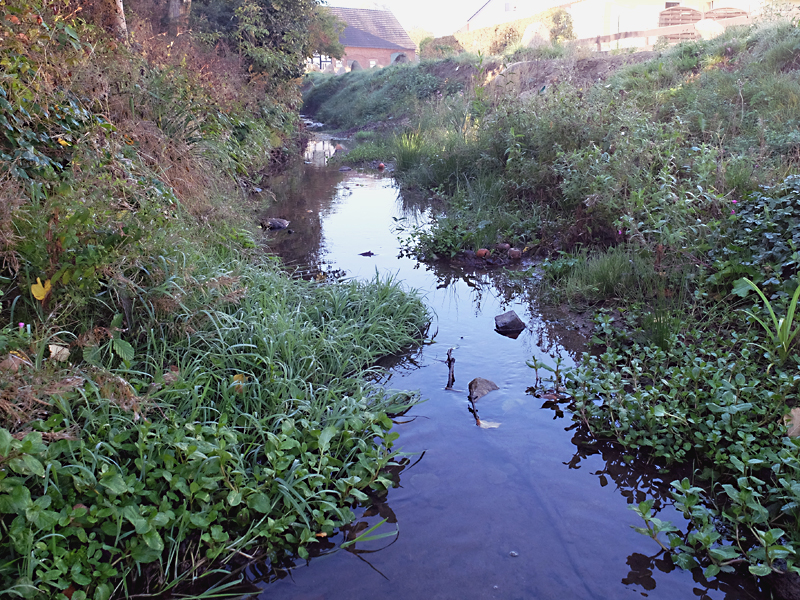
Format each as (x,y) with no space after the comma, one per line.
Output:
(526,509)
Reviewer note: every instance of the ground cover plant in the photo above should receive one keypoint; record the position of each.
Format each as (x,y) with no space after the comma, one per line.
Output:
(664,198)
(172,404)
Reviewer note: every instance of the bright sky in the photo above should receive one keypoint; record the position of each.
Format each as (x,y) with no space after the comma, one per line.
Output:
(442,17)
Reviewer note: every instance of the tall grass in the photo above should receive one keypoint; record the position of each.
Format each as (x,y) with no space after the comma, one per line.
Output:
(244,422)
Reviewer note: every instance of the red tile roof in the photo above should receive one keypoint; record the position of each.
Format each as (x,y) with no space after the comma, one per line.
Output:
(367,28)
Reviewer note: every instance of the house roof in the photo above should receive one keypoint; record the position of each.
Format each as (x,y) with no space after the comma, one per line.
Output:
(367,28)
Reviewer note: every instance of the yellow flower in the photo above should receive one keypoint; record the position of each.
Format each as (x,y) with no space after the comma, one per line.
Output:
(39,291)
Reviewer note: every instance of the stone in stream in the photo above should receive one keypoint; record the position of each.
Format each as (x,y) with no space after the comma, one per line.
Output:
(274,223)
(479,387)
(509,324)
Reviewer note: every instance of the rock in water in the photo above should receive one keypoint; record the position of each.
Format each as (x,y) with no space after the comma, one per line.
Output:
(479,387)
(275,223)
(509,323)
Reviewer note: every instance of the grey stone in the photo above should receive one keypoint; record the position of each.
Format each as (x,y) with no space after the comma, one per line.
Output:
(509,323)
(274,223)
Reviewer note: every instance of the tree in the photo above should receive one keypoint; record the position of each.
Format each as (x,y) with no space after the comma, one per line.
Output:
(275,36)
(108,14)
(178,12)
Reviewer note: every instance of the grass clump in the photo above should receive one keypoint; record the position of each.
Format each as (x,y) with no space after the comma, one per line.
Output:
(239,423)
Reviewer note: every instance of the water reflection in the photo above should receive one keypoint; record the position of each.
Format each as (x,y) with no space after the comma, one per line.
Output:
(534,508)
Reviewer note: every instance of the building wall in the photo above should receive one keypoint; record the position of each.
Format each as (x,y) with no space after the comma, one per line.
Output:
(383,57)
(591,18)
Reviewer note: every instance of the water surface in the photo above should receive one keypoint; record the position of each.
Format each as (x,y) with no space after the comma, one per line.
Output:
(529,509)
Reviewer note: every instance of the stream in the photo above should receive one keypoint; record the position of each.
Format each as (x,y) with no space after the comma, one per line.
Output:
(526,506)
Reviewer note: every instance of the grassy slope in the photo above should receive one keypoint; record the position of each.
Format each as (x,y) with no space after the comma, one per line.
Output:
(168,397)
(662,189)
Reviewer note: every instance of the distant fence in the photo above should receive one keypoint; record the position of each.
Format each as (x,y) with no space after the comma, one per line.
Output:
(647,38)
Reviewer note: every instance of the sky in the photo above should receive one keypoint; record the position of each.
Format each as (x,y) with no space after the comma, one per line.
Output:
(442,17)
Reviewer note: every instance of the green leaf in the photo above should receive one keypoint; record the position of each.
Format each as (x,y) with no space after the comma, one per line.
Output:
(33,465)
(114,483)
(760,570)
(234,498)
(145,554)
(260,502)
(325,438)
(102,592)
(123,349)
(5,442)
(153,540)
(723,553)
(741,287)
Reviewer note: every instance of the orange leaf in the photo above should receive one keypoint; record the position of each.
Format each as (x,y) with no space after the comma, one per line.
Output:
(239,380)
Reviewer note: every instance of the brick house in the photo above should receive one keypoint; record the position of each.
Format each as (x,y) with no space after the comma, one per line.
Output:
(371,38)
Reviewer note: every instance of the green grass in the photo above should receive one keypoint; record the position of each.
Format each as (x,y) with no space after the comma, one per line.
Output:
(240,419)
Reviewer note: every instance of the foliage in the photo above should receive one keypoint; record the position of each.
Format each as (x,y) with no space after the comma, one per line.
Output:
(168,402)
(198,393)
(780,333)
(359,97)
(720,411)
(275,36)
(760,240)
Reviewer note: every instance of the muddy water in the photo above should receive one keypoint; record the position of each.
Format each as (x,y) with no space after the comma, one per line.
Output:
(528,508)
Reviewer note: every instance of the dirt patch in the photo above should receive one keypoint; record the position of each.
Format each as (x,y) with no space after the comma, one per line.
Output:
(528,77)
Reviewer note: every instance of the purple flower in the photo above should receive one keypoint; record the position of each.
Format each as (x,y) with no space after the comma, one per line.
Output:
(734,201)
(733,212)
(22,325)
(619,232)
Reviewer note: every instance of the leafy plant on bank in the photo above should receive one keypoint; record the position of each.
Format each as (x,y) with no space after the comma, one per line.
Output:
(717,409)
(241,426)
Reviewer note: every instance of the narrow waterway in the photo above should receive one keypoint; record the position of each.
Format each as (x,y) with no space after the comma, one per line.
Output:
(524,507)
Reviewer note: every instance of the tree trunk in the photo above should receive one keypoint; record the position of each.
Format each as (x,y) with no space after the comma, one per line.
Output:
(118,24)
(108,14)
(178,12)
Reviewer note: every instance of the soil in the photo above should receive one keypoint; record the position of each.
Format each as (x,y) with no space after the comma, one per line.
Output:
(581,71)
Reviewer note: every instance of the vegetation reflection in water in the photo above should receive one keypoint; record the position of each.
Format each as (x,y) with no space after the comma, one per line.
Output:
(468,294)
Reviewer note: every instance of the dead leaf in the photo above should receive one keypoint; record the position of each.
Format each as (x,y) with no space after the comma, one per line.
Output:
(14,361)
(792,421)
(39,291)
(59,353)
(172,375)
(479,387)
(65,385)
(322,534)
(239,380)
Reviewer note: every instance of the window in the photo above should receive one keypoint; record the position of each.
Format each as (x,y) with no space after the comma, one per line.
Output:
(372,63)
